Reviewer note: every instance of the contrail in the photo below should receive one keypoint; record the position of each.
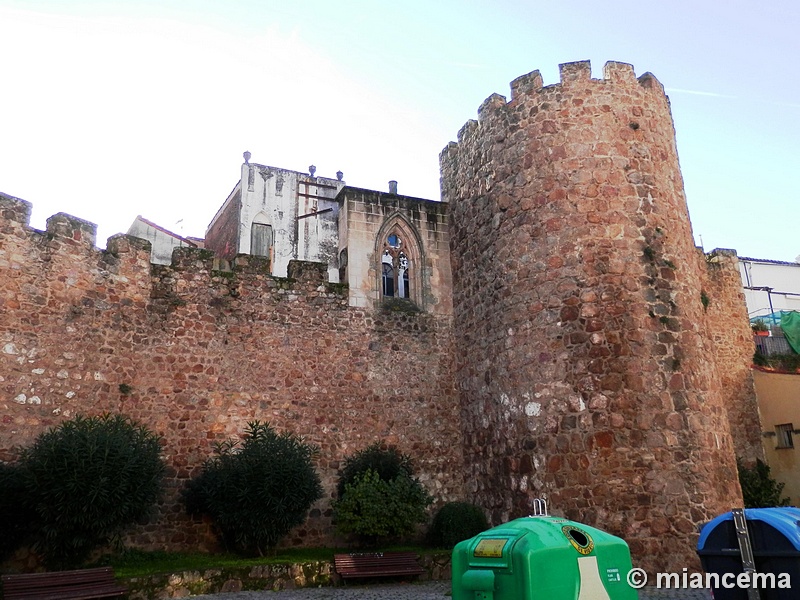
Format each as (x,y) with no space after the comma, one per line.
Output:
(698,93)
(716,95)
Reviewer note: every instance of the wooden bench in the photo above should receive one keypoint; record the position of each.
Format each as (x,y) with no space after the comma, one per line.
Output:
(377,564)
(82,584)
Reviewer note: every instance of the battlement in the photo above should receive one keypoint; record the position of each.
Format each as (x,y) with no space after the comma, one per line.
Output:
(529,90)
(68,244)
(15,209)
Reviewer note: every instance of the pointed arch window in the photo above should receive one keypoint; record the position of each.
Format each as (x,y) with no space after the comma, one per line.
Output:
(395,268)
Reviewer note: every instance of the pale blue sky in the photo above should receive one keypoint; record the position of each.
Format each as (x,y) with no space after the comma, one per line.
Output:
(113,109)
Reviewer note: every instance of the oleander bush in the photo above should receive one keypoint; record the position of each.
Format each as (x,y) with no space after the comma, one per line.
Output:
(15,509)
(455,522)
(256,491)
(87,480)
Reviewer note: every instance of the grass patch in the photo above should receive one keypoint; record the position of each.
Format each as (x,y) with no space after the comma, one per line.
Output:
(139,563)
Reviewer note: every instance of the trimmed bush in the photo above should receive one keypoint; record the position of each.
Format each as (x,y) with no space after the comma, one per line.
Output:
(388,462)
(455,522)
(16,512)
(759,489)
(87,479)
(374,508)
(257,491)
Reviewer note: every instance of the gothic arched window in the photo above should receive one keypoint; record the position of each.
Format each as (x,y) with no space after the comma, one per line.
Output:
(395,267)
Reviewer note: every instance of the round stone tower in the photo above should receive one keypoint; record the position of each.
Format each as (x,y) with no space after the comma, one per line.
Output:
(585,376)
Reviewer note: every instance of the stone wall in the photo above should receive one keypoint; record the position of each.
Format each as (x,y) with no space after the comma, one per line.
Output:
(582,367)
(730,340)
(195,352)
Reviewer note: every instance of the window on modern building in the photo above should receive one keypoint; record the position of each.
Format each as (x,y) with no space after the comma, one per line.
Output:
(784,436)
(394,269)
(260,239)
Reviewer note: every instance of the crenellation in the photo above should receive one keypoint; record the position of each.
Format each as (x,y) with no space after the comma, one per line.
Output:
(575,72)
(69,228)
(619,72)
(651,82)
(122,243)
(308,272)
(468,128)
(15,209)
(489,106)
(526,85)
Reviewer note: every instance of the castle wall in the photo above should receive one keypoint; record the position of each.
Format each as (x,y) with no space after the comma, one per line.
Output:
(582,370)
(730,340)
(195,353)
(367,215)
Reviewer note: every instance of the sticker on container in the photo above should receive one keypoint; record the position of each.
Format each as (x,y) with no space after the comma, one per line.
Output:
(580,540)
(612,575)
(490,548)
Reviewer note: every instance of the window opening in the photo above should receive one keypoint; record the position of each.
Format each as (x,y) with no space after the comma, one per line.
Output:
(784,433)
(394,269)
(260,239)
(343,266)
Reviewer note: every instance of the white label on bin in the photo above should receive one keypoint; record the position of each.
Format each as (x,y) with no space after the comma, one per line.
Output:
(612,575)
(592,587)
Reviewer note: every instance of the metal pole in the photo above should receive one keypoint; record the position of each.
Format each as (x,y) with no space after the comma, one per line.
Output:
(745,549)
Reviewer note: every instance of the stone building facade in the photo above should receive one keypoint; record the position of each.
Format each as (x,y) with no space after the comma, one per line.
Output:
(540,332)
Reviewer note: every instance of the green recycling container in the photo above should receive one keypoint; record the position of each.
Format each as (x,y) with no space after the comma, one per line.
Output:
(542,558)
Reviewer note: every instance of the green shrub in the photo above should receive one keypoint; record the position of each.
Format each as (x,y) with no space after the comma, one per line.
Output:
(255,493)
(759,489)
(456,521)
(87,479)
(759,359)
(374,508)
(387,462)
(15,509)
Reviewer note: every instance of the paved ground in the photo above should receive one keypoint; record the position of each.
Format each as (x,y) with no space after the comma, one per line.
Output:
(437,590)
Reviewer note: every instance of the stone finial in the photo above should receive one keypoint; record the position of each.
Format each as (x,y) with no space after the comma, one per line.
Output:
(339,175)
(247,156)
(312,169)
(393,187)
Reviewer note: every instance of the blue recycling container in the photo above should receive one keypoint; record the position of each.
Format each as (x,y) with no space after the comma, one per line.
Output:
(775,540)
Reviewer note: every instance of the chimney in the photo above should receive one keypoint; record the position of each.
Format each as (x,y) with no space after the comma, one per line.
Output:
(393,187)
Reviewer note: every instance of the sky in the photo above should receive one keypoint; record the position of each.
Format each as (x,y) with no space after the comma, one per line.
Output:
(111,109)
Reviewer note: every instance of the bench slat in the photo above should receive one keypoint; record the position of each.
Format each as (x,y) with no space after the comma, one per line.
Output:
(82,584)
(377,564)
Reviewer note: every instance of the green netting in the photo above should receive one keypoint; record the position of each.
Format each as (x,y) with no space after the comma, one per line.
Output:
(790,323)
